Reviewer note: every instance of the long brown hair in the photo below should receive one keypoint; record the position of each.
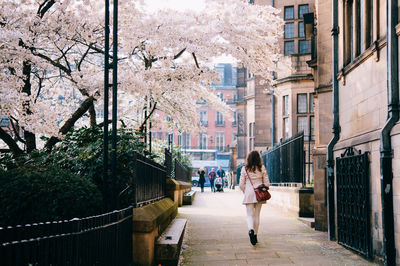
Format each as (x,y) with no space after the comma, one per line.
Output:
(253,161)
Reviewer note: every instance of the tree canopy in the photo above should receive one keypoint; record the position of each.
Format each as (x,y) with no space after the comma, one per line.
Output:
(52,57)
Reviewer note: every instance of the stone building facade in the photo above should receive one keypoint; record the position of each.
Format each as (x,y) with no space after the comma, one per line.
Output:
(368,96)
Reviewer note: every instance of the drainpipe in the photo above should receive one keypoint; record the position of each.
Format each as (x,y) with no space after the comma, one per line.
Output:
(386,147)
(272,118)
(336,126)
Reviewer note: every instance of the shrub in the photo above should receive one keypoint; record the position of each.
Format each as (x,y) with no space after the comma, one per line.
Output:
(40,194)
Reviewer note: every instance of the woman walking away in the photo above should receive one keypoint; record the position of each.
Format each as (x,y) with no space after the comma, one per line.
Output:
(202,179)
(255,170)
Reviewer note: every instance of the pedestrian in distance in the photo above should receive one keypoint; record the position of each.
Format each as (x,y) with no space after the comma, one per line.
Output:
(221,173)
(212,176)
(202,178)
(255,170)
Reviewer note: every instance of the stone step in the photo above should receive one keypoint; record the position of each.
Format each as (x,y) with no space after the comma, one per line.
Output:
(308,221)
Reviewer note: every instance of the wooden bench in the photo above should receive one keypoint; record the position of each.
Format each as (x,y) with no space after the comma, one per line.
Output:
(188,197)
(168,245)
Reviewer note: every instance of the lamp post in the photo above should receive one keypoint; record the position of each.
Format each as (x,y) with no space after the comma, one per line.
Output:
(107,68)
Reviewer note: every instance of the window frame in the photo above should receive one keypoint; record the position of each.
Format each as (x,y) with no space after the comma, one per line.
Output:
(303,35)
(304,41)
(284,14)
(307,126)
(293,33)
(284,47)
(299,9)
(306,103)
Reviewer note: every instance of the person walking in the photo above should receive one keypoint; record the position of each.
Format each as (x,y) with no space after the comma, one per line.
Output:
(255,170)
(211,176)
(202,178)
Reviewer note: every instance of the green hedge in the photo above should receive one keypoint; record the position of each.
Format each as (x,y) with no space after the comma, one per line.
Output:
(33,194)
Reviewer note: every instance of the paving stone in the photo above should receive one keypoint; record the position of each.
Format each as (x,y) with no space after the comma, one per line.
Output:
(217,234)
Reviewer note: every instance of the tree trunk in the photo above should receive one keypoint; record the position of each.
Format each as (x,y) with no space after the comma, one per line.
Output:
(92,114)
(15,149)
(30,137)
(85,105)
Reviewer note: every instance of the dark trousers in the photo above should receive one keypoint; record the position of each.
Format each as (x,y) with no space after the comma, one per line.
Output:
(202,187)
(212,185)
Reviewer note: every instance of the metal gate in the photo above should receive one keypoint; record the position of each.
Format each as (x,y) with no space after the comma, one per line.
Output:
(353,210)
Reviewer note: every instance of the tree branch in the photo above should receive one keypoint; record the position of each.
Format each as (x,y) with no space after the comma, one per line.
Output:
(85,105)
(44,7)
(15,149)
(141,128)
(16,131)
(195,60)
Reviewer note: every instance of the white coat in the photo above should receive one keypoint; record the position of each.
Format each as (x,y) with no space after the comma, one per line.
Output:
(257,178)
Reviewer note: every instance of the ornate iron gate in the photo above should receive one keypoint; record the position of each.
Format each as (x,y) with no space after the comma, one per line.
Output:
(353,208)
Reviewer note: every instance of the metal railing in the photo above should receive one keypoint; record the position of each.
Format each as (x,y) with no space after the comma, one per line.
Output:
(97,240)
(285,162)
(168,162)
(182,173)
(149,181)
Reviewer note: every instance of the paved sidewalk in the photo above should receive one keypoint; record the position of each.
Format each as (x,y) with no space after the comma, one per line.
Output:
(217,234)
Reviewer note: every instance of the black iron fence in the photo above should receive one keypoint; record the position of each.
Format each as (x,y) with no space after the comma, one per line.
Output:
(98,240)
(149,181)
(168,162)
(285,162)
(182,173)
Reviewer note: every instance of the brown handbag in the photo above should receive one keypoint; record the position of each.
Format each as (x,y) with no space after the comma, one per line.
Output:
(262,193)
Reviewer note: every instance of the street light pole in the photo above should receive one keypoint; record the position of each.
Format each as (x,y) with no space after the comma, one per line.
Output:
(106,87)
(114,103)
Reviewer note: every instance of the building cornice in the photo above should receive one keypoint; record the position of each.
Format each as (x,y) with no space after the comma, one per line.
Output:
(295,77)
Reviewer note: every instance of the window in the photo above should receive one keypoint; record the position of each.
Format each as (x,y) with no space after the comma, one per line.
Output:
(234,119)
(358,28)
(302,103)
(301,30)
(289,30)
(348,32)
(312,133)
(186,140)
(286,127)
(311,103)
(289,12)
(304,47)
(203,118)
(286,105)
(220,141)
(203,141)
(251,136)
(289,47)
(302,125)
(303,9)
(220,95)
(220,119)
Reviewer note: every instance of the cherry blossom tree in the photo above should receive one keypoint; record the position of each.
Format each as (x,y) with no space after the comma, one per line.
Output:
(51,57)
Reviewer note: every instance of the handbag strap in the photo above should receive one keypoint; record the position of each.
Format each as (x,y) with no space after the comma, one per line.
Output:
(249,177)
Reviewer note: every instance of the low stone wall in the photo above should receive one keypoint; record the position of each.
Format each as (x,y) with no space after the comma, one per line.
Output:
(176,189)
(295,201)
(148,223)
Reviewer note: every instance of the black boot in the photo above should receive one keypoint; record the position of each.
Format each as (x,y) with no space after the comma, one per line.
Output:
(255,236)
(253,240)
